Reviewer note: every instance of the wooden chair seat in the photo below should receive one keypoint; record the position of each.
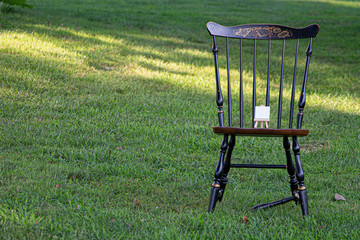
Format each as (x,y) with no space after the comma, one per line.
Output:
(261,132)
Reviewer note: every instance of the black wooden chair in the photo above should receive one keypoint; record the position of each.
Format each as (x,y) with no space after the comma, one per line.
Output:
(243,36)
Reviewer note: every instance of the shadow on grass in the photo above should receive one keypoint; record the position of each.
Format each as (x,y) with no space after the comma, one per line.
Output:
(125,47)
(134,131)
(130,38)
(152,29)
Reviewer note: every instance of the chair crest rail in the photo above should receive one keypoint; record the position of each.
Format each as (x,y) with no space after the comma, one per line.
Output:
(262,31)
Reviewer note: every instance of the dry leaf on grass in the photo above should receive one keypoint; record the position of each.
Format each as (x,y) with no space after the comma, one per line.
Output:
(136,202)
(339,197)
(246,219)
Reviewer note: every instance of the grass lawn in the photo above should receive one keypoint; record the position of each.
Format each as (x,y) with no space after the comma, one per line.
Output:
(106,109)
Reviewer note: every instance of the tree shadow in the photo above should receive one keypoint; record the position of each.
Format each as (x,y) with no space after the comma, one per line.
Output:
(127,39)
(126,100)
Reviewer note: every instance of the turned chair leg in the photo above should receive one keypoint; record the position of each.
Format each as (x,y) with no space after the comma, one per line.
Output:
(226,167)
(300,178)
(216,186)
(290,167)
(213,198)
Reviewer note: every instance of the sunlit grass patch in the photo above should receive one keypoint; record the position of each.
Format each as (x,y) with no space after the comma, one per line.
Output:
(106,111)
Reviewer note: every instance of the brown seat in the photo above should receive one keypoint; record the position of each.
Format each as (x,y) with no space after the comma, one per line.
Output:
(264,132)
(246,40)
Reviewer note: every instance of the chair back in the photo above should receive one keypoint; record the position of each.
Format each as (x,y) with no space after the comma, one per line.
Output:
(246,40)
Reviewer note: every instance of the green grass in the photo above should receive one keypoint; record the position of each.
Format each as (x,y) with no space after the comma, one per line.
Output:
(106,110)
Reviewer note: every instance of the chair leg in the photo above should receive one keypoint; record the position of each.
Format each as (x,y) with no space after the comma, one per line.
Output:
(226,167)
(213,198)
(290,166)
(216,186)
(300,178)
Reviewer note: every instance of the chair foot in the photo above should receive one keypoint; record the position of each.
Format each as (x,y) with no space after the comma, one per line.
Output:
(304,202)
(213,198)
(272,204)
(221,193)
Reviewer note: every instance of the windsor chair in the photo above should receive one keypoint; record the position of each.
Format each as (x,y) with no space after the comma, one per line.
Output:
(255,33)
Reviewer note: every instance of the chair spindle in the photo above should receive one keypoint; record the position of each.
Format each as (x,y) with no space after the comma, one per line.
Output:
(302,99)
(281,85)
(293,87)
(254,85)
(228,83)
(219,97)
(241,87)
(268,76)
